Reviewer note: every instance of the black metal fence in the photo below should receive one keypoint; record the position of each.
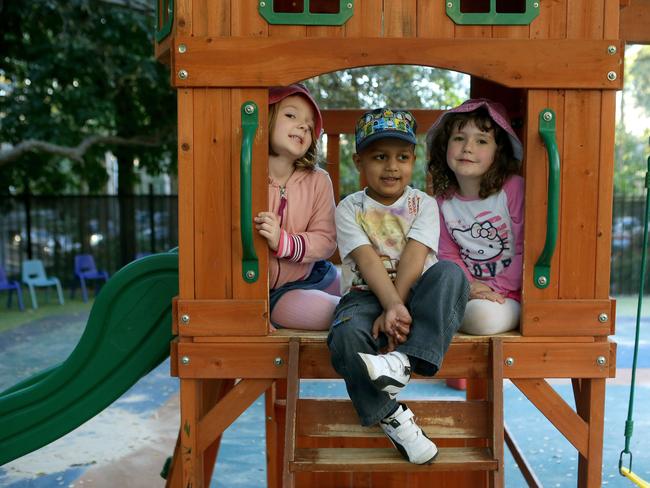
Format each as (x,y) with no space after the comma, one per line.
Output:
(56,228)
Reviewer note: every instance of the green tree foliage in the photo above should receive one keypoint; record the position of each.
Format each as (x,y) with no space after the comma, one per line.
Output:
(412,87)
(72,70)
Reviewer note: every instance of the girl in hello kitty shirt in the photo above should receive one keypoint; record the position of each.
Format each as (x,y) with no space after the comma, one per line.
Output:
(474,158)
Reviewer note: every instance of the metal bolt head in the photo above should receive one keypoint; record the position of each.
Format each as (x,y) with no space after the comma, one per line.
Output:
(601,360)
(509,361)
(182,48)
(278,362)
(611,76)
(262,4)
(548,116)
(185,360)
(250,274)
(185,318)
(349,5)
(249,108)
(536,5)
(603,317)
(450,4)
(182,74)
(542,280)
(612,50)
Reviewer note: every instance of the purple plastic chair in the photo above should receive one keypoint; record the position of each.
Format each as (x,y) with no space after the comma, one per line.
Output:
(10,286)
(85,269)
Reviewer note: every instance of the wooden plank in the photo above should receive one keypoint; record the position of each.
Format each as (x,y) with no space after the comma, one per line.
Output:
(495,398)
(183,17)
(440,419)
(333,164)
(605,198)
(245,20)
(273,440)
(612,19)
(341,121)
(579,194)
(517,453)
(634,22)
(212,190)
(192,457)
(230,406)
(257,290)
(556,410)
(564,360)
(293,388)
(222,317)
(271,61)
(536,202)
(185,100)
(400,19)
(232,360)
(211,18)
(433,22)
(390,460)
(212,391)
(367,20)
(590,404)
(566,317)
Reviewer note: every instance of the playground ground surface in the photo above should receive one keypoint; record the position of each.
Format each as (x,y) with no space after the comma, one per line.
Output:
(127,444)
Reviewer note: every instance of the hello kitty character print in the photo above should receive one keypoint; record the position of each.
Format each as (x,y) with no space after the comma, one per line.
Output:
(485,236)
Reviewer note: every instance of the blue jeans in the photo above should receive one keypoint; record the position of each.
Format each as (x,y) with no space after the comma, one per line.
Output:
(436,302)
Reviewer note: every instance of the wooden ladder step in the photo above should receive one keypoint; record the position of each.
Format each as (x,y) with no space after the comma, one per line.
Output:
(389,460)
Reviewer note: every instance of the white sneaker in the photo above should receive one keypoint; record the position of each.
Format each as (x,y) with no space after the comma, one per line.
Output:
(407,437)
(388,372)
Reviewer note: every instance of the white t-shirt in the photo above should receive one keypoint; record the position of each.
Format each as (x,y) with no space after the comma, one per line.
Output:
(360,220)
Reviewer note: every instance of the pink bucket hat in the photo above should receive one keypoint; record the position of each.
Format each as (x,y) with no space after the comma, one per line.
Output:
(279,93)
(496,110)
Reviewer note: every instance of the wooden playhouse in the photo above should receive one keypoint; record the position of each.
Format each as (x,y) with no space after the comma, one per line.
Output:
(556,66)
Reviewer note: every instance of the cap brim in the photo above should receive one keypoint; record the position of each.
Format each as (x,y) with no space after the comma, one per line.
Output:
(386,134)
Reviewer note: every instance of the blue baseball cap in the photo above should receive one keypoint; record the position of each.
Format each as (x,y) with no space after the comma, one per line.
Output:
(383,123)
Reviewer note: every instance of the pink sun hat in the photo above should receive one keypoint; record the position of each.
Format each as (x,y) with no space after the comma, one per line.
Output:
(279,93)
(498,113)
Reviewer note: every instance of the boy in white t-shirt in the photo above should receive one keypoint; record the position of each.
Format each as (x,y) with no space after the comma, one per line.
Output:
(396,295)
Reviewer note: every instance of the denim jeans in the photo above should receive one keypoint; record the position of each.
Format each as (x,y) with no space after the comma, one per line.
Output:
(436,302)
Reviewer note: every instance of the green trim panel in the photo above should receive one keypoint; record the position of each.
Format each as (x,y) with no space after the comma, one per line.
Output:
(164,23)
(542,270)
(127,335)
(493,16)
(346,9)
(249,122)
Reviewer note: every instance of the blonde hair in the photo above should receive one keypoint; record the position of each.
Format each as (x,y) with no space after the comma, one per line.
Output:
(309,160)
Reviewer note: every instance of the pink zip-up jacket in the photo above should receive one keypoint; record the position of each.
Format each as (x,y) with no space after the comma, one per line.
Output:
(306,209)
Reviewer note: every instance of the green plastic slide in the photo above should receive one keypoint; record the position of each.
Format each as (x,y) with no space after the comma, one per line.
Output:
(127,335)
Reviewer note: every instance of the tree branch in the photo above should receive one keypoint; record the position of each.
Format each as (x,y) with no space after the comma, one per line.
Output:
(74,153)
(135,5)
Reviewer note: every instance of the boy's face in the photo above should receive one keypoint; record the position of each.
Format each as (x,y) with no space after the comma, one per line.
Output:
(387,166)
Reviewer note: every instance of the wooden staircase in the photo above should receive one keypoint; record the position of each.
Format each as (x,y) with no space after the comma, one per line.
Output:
(324,445)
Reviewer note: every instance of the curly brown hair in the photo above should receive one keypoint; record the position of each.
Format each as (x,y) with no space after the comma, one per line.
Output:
(444,182)
(309,160)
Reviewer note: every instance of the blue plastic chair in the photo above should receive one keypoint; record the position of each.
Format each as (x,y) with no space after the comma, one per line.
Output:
(10,286)
(34,277)
(85,269)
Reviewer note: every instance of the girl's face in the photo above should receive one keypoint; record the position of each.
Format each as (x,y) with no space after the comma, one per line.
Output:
(291,134)
(470,151)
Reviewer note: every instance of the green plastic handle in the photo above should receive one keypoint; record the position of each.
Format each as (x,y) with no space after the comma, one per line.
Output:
(249,123)
(542,271)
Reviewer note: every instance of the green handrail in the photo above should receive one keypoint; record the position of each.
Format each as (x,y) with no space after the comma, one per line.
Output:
(249,123)
(542,271)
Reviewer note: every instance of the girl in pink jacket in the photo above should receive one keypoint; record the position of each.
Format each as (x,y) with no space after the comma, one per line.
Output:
(299,226)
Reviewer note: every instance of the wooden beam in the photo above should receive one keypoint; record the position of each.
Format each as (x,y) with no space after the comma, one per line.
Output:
(634,22)
(516,63)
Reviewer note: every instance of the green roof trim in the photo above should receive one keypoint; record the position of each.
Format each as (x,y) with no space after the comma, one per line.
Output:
(493,16)
(306,17)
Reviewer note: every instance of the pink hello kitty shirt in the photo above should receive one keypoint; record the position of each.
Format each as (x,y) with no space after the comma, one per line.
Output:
(485,236)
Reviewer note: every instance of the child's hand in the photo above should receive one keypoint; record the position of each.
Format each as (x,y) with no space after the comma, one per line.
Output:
(268,225)
(482,291)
